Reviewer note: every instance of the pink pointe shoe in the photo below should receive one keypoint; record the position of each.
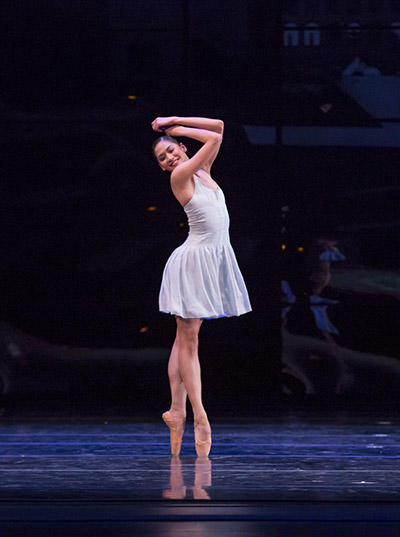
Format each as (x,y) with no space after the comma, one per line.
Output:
(176,430)
(202,446)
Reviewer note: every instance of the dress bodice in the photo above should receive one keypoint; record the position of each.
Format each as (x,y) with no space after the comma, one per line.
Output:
(207,215)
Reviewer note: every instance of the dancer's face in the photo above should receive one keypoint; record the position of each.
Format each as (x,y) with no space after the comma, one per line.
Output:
(169,155)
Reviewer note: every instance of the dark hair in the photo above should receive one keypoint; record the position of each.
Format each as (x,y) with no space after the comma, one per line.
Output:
(164,138)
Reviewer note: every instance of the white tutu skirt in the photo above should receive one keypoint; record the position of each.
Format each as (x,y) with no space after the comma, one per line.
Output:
(203,282)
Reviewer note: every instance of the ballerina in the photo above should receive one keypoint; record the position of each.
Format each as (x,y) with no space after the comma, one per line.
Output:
(201,279)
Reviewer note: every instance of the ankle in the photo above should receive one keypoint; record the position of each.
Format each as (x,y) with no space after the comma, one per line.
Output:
(177,410)
(200,418)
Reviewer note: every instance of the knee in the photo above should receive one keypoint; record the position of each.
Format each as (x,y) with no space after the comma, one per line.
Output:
(189,339)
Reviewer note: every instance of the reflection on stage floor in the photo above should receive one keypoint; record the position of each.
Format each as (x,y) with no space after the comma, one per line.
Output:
(292,460)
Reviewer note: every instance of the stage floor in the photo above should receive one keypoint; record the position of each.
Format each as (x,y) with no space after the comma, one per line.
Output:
(294,460)
(288,476)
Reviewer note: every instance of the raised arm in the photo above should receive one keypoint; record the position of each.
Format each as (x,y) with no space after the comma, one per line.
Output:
(211,143)
(214,125)
(202,129)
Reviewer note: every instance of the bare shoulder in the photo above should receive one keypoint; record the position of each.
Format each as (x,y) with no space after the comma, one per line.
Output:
(182,190)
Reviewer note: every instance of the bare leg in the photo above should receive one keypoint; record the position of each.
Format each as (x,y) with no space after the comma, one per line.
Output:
(178,390)
(189,366)
(189,369)
(176,415)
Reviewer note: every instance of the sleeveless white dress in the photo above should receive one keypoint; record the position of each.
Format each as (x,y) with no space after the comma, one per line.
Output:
(201,278)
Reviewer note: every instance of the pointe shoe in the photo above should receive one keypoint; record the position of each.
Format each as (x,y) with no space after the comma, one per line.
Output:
(176,430)
(202,446)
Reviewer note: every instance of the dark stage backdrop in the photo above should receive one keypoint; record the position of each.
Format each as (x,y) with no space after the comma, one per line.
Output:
(308,167)
(88,219)
(338,163)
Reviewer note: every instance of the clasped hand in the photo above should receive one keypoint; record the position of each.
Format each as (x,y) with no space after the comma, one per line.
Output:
(162,123)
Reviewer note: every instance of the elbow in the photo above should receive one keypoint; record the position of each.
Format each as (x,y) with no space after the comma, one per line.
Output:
(216,138)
